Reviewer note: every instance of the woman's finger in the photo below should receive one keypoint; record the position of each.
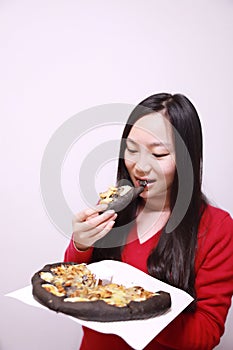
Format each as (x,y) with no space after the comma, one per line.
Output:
(87,213)
(98,220)
(99,233)
(105,230)
(96,230)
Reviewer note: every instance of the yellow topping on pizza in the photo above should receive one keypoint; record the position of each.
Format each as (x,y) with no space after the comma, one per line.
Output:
(77,283)
(53,289)
(113,193)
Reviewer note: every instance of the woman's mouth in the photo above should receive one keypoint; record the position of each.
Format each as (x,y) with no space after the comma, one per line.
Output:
(145,182)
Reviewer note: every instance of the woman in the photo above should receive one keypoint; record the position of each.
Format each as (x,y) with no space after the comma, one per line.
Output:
(170,232)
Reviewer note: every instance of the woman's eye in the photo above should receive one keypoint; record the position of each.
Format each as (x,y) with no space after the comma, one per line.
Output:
(160,155)
(131,150)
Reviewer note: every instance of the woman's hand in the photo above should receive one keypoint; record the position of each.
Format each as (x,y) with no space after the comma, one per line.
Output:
(89,226)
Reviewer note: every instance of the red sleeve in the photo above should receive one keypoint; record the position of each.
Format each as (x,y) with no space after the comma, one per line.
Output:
(74,255)
(214,287)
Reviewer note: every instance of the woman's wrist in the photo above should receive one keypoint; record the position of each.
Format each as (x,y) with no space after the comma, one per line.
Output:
(79,247)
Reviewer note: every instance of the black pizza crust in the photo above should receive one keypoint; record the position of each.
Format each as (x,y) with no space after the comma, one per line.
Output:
(121,202)
(99,310)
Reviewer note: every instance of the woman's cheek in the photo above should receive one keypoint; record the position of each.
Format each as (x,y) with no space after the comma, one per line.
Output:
(168,168)
(128,164)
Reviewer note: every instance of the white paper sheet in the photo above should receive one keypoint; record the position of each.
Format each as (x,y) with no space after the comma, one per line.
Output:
(136,333)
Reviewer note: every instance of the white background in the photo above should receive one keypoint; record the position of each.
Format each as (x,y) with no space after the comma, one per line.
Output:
(61,57)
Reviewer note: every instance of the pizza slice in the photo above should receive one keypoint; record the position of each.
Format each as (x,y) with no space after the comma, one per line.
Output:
(118,198)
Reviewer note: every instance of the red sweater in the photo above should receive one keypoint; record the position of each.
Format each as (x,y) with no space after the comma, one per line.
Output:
(214,288)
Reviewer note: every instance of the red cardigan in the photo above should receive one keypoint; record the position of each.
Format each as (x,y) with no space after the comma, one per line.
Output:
(214,288)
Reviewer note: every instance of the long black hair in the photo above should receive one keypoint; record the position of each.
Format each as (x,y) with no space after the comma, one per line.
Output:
(172,260)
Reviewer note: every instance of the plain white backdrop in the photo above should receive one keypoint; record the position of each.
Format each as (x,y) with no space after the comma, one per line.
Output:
(61,57)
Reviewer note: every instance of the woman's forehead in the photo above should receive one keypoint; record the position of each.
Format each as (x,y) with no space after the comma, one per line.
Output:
(152,128)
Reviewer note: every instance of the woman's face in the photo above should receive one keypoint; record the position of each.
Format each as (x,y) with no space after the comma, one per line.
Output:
(150,155)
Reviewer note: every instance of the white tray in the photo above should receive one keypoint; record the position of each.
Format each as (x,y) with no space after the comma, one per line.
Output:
(136,333)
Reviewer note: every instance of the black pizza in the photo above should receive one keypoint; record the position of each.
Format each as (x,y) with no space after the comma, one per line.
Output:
(118,198)
(74,290)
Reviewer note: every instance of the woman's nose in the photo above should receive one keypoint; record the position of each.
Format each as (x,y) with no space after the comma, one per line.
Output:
(142,166)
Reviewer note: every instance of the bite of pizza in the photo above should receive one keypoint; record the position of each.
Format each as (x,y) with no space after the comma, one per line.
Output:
(118,198)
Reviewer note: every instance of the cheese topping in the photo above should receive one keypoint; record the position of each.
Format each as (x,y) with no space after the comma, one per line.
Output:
(76,283)
(113,193)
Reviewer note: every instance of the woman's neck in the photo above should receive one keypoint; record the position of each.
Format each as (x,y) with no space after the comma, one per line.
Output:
(150,221)
(155,205)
